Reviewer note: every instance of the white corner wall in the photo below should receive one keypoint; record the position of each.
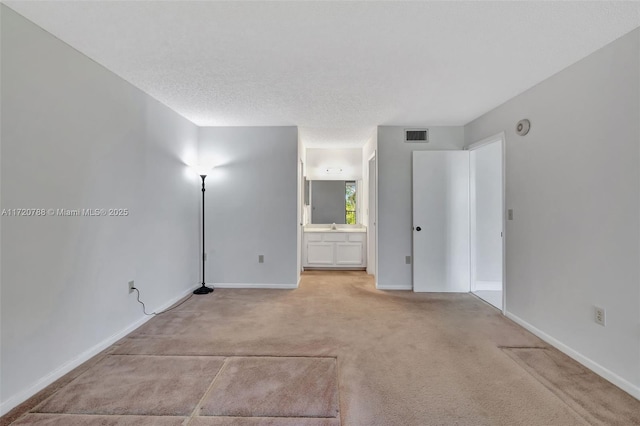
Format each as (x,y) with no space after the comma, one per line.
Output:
(251,205)
(395,239)
(74,136)
(574,186)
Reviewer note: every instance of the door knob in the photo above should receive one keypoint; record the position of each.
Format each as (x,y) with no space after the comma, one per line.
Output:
(418,229)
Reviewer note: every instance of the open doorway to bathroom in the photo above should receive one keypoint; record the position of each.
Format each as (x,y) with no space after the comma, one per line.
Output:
(371,213)
(487,220)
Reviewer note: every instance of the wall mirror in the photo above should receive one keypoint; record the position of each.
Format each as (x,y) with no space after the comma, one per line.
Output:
(334,201)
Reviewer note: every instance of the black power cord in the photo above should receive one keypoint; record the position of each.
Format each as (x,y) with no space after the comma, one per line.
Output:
(144,308)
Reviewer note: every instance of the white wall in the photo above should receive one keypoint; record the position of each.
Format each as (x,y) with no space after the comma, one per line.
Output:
(394,198)
(574,183)
(486,216)
(251,201)
(319,159)
(76,136)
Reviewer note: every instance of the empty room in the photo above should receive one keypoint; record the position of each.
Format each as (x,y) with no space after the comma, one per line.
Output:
(310,213)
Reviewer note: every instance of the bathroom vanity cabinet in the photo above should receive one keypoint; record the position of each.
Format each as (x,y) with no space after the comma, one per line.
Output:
(337,249)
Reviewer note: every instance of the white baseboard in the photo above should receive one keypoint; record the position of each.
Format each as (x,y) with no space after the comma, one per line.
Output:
(605,373)
(488,285)
(393,287)
(254,285)
(19,398)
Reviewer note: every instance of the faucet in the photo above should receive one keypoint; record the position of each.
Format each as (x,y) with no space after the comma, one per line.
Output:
(333,227)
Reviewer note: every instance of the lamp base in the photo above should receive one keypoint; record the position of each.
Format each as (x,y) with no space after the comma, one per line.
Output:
(203,290)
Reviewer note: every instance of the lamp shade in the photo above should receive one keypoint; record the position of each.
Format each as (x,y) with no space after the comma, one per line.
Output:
(203,169)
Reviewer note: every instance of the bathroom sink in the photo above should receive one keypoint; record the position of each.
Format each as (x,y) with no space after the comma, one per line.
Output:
(338,229)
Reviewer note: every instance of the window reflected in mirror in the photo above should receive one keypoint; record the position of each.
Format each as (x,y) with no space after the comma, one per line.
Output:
(350,202)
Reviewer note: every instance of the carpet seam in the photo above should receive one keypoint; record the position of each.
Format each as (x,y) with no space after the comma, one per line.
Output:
(523,347)
(339,417)
(198,406)
(33,409)
(270,417)
(106,355)
(105,415)
(233,356)
(229,359)
(585,415)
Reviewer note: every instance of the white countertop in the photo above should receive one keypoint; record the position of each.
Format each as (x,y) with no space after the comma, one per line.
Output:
(328,229)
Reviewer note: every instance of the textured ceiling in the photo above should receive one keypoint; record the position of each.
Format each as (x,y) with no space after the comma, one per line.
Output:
(336,69)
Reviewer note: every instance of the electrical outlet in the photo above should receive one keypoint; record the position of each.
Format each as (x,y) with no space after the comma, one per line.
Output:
(131,287)
(261,258)
(407,260)
(600,316)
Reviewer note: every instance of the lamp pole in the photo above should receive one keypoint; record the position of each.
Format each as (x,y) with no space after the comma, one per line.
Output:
(203,289)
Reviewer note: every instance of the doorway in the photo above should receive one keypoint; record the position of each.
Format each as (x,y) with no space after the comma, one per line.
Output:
(486,224)
(371,217)
(458,221)
(303,194)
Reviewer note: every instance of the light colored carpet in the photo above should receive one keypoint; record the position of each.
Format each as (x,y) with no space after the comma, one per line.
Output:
(147,385)
(85,420)
(261,421)
(402,358)
(579,387)
(274,387)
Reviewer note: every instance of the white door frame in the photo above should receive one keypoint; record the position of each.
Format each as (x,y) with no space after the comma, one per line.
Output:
(375,207)
(500,137)
(301,191)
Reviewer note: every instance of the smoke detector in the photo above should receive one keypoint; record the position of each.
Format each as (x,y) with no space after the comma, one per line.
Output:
(523,126)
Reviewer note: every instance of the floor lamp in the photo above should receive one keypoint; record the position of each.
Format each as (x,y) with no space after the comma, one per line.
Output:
(203,289)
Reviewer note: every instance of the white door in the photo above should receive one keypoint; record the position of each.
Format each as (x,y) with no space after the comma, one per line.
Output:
(441,221)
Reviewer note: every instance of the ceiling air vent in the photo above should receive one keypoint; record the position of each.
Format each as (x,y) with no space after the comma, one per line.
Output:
(416,135)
